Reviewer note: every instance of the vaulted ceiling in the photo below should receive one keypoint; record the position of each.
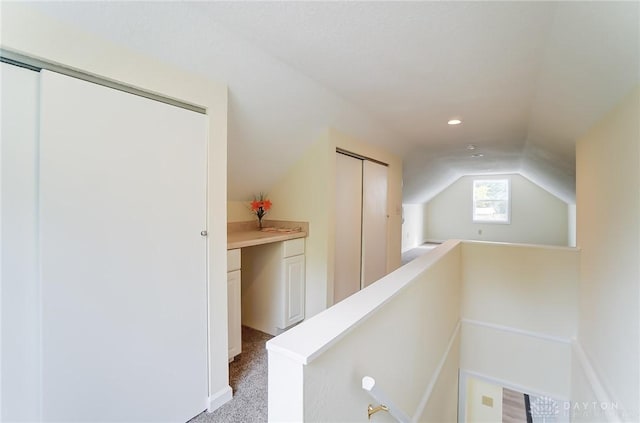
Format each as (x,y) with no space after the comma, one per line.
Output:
(526,78)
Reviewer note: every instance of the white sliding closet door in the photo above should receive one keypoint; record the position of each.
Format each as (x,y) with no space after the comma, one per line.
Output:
(361,225)
(122,204)
(348,226)
(374,222)
(19,291)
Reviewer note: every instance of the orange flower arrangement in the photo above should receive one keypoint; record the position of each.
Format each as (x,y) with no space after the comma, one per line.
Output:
(260,206)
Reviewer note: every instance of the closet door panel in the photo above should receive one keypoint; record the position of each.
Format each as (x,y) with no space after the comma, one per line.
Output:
(19,299)
(374,222)
(122,203)
(348,226)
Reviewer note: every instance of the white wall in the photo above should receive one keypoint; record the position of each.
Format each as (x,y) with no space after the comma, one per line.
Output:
(535,364)
(520,306)
(608,209)
(414,228)
(583,391)
(532,288)
(240,211)
(303,195)
(537,217)
(442,402)
(476,411)
(30,33)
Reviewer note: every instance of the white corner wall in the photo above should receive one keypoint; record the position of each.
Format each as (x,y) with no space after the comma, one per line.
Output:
(608,234)
(537,217)
(414,225)
(33,34)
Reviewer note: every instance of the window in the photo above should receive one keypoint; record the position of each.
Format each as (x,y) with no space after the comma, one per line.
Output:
(491,200)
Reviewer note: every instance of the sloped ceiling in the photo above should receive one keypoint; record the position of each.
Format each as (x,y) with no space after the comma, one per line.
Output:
(526,78)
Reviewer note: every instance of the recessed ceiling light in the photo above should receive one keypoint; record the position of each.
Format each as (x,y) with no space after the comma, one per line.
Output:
(471,147)
(477,155)
(454,122)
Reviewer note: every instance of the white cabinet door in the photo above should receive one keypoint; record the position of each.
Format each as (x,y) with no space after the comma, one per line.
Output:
(123,266)
(235,314)
(273,287)
(294,283)
(234,258)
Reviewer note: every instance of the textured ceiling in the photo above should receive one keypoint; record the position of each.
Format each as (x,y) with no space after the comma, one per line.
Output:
(526,78)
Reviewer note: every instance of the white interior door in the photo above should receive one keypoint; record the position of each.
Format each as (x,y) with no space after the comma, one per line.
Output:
(374,222)
(348,251)
(19,292)
(123,265)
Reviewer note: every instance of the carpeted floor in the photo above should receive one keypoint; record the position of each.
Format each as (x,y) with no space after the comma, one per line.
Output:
(248,378)
(414,253)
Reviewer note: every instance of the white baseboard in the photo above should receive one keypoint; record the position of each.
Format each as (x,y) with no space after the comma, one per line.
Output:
(603,397)
(219,398)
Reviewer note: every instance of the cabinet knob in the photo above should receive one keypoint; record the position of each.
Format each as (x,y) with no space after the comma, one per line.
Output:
(203,233)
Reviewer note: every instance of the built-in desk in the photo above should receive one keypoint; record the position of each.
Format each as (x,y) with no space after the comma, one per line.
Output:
(266,277)
(255,237)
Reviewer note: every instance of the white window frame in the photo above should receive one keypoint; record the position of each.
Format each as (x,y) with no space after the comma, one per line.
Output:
(477,219)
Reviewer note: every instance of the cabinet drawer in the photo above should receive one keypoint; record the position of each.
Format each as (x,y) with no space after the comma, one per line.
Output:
(233,260)
(293,247)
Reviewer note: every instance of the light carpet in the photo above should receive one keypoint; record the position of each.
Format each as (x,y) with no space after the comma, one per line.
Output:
(414,253)
(248,379)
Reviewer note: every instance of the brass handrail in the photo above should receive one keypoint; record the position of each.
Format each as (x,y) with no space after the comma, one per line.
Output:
(369,385)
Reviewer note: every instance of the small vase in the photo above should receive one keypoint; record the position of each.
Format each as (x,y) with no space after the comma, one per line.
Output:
(259,223)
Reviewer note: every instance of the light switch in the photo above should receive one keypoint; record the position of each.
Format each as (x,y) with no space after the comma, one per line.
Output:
(488,401)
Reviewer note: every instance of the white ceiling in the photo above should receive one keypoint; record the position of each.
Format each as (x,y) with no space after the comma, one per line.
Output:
(526,78)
